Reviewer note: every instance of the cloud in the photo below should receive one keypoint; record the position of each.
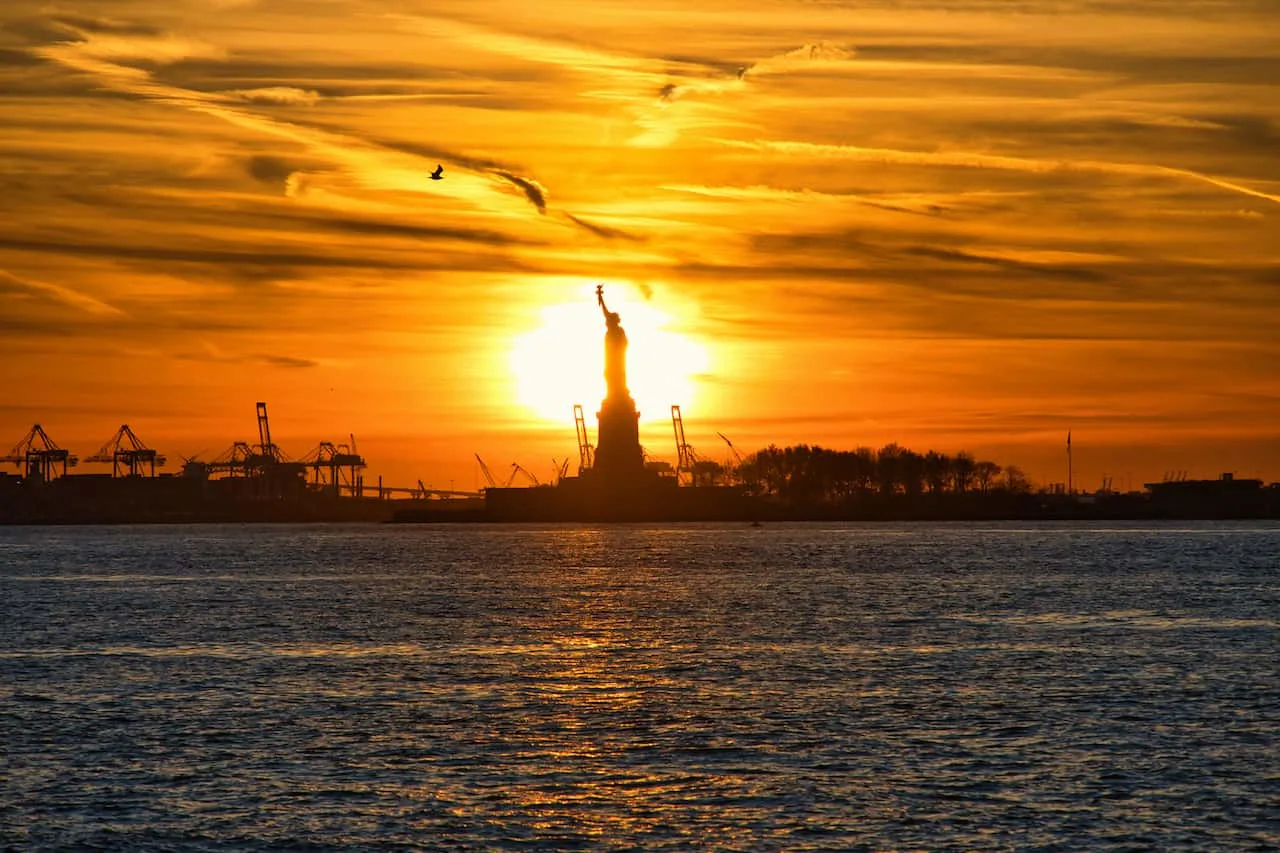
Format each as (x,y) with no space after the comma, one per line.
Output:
(57,26)
(286,361)
(532,190)
(254,264)
(898,204)
(269,170)
(962,257)
(806,56)
(603,231)
(969,160)
(558,52)
(380,228)
(288,96)
(211,352)
(381,166)
(65,296)
(124,42)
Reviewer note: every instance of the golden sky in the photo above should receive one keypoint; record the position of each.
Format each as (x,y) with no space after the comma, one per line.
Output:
(969,225)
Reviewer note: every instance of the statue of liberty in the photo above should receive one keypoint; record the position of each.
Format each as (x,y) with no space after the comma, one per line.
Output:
(618,454)
(615,351)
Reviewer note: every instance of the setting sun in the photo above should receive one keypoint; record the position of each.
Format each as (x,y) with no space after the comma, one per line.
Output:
(561,362)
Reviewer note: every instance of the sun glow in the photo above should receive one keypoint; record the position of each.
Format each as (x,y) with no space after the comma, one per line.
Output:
(561,363)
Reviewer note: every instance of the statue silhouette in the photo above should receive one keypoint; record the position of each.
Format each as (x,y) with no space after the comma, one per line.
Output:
(615,351)
(618,454)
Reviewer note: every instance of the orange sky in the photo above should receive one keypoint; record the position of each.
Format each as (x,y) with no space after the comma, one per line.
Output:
(950,225)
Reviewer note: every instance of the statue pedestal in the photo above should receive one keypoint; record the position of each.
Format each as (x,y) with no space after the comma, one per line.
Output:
(618,453)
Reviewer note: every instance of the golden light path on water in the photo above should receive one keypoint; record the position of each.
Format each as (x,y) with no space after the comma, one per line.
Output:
(560,363)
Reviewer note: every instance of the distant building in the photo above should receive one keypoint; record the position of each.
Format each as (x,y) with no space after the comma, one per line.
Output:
(1225,497)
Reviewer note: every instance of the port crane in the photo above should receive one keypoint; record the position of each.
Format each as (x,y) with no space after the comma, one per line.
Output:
(40,455)
(685,457)
(488,475)
(236,461)
(586,453)
(127,455)
(334,466)
(517,468)
(737,469)
(268,448)
(737,457)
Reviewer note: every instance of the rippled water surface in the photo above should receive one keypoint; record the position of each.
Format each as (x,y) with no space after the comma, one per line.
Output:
(806,687)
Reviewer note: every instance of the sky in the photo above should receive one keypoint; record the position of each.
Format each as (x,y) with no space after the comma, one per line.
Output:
(954,225)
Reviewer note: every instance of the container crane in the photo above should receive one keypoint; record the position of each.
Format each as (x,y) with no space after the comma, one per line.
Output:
(235,461)
(685,457)
(269,450)
(336,462)
(127,455)
(39,455)
(517,468)
(737,457)
(586,453)
(488,475)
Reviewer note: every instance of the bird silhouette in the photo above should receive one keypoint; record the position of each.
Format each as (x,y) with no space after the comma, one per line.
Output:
(438,174)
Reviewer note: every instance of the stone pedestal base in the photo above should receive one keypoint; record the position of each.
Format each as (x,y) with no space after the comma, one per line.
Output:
(618,451)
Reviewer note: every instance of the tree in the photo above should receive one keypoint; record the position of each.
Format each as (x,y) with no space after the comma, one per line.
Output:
(911,469)
(1016,481)
(806,474)
(985,474)
(889,468)
(962,467)
(937,470)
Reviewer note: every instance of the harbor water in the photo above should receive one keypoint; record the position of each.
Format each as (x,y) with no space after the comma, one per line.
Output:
(719,687)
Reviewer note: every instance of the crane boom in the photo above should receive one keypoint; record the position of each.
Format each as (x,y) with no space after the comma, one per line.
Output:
(736,455)
(684,453)
(586,453)
(517,468)
(264,433)
(488,475)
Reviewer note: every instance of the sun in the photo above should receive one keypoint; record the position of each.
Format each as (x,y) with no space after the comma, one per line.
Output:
(561,362)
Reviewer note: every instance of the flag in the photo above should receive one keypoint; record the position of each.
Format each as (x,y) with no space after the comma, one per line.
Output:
(1068,439)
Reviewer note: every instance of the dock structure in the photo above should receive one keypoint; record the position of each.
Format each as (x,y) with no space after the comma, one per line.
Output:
(40,457)
(127,455)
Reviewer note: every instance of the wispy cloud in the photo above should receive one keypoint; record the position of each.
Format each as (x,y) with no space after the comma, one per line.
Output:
(760,193)
(43,291)
(288,96)
(532,190)
(211,352)
(380,166)
(805,57)
(603,231)
(286,361)
(970,160)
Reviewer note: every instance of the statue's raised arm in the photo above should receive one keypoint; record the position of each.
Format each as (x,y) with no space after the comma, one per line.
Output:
(600,299)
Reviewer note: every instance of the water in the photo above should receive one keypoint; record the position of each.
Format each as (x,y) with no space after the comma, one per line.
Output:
(794,687)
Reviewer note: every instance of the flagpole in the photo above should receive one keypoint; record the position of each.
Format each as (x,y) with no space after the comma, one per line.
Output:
(1070,480)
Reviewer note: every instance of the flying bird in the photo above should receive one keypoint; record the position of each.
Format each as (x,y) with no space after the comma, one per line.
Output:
(438,174)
